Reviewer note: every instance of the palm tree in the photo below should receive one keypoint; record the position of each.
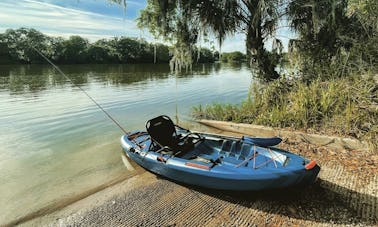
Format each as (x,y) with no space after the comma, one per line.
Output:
(184,22)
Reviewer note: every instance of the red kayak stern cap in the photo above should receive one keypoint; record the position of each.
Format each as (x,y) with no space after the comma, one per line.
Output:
(310,165)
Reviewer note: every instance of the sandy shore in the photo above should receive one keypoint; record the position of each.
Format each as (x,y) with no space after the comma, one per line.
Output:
(346,193)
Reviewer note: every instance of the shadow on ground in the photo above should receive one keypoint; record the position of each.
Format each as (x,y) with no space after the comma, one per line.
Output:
(322,202)
(165,203)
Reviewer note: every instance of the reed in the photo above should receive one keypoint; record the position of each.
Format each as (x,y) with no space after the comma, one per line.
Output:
(341,106)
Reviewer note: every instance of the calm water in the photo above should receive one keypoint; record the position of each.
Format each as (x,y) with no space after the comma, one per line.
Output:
(56,144)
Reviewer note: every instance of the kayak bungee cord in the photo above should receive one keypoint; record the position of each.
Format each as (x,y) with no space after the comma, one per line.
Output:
(81,89)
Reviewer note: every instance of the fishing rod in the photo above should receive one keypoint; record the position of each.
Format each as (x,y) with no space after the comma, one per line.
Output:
(81,89)
(115,121)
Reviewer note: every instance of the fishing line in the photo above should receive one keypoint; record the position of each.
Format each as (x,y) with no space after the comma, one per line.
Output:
(114,120)
(81,89)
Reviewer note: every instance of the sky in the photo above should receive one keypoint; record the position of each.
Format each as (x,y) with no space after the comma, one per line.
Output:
(92,19)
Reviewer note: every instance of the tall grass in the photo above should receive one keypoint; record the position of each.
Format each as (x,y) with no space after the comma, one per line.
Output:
(343,106)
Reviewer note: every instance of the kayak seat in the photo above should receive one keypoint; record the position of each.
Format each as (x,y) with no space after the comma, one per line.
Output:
(162,131)
(164,136)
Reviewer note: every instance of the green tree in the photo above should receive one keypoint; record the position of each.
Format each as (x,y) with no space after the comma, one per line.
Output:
(164,18)
(5,57)
(235,56)
(17,46)
(56,49)
(128,49)
(161,53)
(365,48)
(205,55)
(21,43)
(102,52)
(329,37)
(75,50)
(146,52)
(183,22)
(366,12)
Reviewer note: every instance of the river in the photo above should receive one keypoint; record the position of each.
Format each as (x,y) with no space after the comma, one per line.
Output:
(56,144)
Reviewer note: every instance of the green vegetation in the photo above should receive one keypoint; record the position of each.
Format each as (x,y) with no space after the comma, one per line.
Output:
(16,47)
(329,85)
(335,38)
(342,106)
(235,56)
(185,23)
(322,89)
(332,34)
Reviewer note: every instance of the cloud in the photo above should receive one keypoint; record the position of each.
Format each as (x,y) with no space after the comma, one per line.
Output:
(94,20)
(234,43)
(62,21)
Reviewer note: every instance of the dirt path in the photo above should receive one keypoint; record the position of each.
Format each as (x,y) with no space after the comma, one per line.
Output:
(346,193)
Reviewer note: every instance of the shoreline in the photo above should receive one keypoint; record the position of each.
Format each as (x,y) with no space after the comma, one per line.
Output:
(291,136)
(345,193)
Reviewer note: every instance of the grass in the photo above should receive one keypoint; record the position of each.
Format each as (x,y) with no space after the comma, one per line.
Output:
(345,107)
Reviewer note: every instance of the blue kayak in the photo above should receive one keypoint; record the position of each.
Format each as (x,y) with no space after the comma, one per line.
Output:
(216,161)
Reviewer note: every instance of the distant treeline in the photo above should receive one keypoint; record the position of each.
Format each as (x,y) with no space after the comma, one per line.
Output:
(16,46)
(235,56)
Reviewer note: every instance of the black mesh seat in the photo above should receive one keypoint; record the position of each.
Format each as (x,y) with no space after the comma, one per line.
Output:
(163,133)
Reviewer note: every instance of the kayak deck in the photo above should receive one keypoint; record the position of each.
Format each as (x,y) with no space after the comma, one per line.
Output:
(236,153)
(216,161)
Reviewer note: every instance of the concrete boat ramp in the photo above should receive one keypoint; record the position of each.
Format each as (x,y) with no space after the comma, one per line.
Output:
(346,194)
(146,200)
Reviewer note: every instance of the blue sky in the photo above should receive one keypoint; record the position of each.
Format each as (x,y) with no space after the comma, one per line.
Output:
(93,19)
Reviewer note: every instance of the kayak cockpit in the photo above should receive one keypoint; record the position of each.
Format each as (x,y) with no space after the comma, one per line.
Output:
(203,149)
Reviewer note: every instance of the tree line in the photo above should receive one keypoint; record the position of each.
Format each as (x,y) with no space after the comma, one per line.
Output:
(16,46)
(235,56)
(334,37)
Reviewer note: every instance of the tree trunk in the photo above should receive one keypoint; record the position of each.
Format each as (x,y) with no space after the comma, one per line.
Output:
(258,55)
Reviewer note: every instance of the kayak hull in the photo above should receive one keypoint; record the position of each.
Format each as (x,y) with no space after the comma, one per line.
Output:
(234,173)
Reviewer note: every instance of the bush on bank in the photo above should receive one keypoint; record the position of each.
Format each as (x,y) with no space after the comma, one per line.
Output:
(346,107)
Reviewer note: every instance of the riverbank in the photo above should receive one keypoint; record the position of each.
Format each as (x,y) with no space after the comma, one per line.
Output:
(289,135)
(346,107)
(345,193)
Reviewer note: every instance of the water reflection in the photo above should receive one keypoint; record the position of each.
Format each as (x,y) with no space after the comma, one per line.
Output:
(20,79)
(56,143)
